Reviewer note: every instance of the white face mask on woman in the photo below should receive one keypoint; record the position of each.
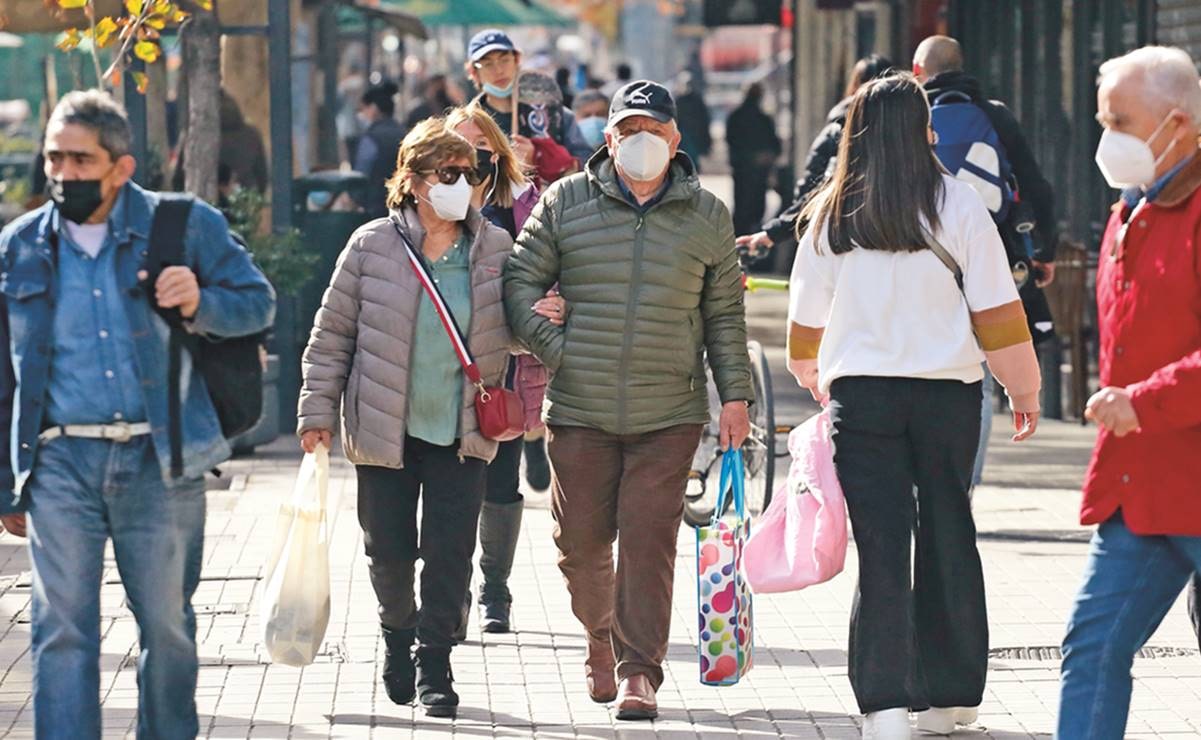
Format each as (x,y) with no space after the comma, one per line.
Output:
(643,156)
(1127,161)
(451,202)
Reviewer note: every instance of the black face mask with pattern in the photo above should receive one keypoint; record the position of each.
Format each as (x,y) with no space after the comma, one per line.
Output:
(487,170)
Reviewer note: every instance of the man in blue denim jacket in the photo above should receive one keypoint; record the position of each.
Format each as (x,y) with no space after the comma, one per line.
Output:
(83,418)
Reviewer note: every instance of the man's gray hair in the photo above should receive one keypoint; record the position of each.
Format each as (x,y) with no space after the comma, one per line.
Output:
(98,111)
(1169,77)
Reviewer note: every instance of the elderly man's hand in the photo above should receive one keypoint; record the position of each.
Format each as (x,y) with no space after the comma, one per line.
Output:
(735,424)
(1113,409)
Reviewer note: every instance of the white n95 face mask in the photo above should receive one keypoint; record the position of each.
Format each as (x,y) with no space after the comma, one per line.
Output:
(451,202)
(1127,161)
(643,156)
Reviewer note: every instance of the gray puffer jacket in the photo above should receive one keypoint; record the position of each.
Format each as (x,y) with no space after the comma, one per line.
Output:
(359,352)
(650,294)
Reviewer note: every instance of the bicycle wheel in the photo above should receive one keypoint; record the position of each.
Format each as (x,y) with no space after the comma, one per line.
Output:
(759,449)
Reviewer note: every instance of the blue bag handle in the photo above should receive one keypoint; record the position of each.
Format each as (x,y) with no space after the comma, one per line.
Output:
(733,479)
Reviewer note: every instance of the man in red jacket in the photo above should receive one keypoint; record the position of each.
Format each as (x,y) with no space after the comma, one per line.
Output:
(1143,486)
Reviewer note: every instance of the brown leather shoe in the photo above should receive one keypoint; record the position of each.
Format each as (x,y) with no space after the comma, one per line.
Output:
(637,699)
(599,666)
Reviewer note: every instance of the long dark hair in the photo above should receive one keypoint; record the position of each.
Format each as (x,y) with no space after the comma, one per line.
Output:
(887,177)
(865,70)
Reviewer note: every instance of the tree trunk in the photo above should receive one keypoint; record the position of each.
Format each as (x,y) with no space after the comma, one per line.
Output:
(202,65)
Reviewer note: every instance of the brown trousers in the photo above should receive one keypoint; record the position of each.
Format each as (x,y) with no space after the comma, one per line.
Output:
(605,484)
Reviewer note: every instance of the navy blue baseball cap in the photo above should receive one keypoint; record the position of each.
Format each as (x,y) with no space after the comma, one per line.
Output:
(487,41)
(642,98)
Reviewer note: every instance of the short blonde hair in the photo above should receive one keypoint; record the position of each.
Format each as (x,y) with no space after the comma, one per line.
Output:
(428,146)
(508,172)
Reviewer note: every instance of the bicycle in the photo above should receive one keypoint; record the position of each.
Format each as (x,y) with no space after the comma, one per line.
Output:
(759,448)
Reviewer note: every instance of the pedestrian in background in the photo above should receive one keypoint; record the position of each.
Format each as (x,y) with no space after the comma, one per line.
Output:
(592,112)
(505,197)
(380,354)
(753,144)
(695,138)
(819,162)
(377,148)
(878,325)
(645,259)
(1141,489)
(436,100)
(85,397)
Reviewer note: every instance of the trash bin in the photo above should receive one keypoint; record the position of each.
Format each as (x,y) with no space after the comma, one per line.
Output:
(326,209)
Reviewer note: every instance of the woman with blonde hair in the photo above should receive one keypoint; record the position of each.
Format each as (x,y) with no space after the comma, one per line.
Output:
(380,361)
(505,196)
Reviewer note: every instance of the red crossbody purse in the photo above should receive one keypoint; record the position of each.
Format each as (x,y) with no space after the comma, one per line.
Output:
(498,410)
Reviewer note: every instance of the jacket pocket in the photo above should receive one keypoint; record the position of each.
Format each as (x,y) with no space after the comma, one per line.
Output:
(350,399)
(23,290)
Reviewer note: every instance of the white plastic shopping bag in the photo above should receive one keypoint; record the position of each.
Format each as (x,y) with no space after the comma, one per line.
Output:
(294,609)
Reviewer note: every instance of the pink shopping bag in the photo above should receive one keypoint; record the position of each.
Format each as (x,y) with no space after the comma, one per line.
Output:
(801,539)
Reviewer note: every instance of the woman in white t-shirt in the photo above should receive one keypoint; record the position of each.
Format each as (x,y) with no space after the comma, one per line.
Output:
(879,325)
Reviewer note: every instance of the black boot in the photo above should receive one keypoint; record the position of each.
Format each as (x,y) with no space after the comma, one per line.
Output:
(537,467)
(399,673)
(500,527)
(434,679)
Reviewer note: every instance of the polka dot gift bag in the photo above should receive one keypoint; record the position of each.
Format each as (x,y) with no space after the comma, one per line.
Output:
(723,596)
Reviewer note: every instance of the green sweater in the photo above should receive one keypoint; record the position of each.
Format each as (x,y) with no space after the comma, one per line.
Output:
(648,294)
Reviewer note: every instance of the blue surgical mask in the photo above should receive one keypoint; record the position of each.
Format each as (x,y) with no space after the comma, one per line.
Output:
(593,129)
(497,92)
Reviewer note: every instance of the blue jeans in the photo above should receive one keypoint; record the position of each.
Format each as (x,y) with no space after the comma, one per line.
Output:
(82,492)
(1130,583)
(986,413)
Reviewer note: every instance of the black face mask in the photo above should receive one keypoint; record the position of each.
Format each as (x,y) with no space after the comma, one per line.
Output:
(484,164)
(77,200)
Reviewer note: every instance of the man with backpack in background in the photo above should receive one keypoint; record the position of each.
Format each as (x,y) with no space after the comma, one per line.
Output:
(108,424)
(980,141)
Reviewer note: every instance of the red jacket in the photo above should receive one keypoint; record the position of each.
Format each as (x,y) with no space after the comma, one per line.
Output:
(1149,316)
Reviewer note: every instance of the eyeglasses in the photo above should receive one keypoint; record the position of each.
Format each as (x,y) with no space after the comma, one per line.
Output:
(504,61)
(451,175)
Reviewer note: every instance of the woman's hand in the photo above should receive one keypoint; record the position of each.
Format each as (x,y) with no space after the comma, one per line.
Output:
(1024,424)
(553,307)
(310,438)
(524,149)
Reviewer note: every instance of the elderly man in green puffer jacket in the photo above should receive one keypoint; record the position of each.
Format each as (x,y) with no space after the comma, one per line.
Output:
(645,259)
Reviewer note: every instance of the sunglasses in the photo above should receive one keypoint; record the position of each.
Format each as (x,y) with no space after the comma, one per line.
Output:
(451,175)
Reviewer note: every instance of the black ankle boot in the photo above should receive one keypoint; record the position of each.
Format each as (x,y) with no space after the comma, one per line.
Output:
(537,467)
(399,672)
(434,679)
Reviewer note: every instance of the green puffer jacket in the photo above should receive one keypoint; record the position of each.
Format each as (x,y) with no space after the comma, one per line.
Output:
(648,294)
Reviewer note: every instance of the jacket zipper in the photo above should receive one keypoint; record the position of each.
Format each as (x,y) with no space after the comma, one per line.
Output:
(627,344)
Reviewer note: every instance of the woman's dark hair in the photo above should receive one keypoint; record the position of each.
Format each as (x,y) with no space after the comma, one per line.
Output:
(382,96)
(887,183)
(870,67)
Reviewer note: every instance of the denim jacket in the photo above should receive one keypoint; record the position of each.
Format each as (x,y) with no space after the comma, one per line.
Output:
(235,300)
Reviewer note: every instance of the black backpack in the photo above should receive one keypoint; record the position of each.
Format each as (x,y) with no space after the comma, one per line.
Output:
(231,367)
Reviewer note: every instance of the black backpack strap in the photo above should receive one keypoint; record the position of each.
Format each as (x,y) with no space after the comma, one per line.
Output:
(166,249)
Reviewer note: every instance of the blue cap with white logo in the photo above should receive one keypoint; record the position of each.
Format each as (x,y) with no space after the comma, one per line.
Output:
(487,41)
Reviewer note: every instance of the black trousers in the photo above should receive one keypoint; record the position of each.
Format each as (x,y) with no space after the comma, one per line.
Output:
(504,473)
(451,494)
(919,635)
(750,198)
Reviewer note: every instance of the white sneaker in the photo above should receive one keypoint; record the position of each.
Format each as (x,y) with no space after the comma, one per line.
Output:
(887,724)
(942,720)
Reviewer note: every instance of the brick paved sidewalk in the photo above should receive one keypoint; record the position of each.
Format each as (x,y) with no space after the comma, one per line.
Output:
(529,684)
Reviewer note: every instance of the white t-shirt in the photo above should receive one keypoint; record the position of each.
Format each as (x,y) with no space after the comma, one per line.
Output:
(89,237)
(901,314)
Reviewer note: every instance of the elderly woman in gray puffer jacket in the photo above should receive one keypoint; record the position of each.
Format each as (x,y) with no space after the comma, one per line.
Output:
(379,351)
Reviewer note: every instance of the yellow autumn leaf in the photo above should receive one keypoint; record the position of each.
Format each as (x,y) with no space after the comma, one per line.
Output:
(70,40)
(147,51)
(156,22)
(72,4)
(205,4)
(161,7)
(105,27)
(133,6)
(143,81)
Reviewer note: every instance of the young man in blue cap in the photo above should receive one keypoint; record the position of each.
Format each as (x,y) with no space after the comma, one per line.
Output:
(493,64)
